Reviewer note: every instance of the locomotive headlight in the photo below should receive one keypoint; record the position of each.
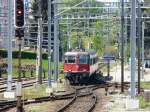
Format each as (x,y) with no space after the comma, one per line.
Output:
(77,66)
(84,70)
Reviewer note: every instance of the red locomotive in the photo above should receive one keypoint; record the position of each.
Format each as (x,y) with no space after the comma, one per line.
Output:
(80,65)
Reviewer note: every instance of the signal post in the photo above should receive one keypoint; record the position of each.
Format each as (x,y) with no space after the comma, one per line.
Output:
(19,33)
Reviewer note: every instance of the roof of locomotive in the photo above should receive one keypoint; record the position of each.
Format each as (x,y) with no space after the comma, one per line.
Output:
(80,52)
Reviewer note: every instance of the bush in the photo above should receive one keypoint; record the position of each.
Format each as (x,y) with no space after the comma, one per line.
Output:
(24,54)
(143,103)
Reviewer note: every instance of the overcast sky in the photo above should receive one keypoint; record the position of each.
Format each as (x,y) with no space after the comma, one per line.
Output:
(108,0)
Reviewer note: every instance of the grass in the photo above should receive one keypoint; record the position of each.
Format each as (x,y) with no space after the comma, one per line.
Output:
(34,92)
(143,102)
(145,85)
(37,108)
(32,62)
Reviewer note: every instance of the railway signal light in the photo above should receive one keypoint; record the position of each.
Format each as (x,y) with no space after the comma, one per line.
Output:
(19,13)
(19,32)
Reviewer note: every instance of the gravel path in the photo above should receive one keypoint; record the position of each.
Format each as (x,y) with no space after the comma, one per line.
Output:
(102,100)
(115,71)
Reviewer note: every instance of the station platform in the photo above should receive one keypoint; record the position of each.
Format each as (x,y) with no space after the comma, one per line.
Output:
(115,72)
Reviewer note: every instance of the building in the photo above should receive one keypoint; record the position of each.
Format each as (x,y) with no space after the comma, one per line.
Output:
(31,27)
(31,32)
(4,23)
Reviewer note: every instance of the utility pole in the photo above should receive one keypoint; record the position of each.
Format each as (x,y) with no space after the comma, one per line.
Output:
(69,35)
(122,46)
(27,22)
(139,45)
(108,61)
(78,37)
(126,34)
(61,44)
(39,45)
(103,38)
(108,68)
(49,43)
(19,83)
(133,47)
(19,23)
(143,27)
(108,38)
(88,25)
(9,80)
(55,42)
(108,32)
(118,40)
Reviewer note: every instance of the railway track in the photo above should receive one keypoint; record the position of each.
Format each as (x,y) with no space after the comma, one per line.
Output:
(84,100)
(4,80)
(5,105)
(26,83)
(81,94)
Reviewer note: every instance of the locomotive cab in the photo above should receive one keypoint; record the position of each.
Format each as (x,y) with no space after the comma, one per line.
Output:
(77,66)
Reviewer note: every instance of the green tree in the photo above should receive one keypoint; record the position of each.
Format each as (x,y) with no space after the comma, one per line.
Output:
(35,8)
(95,38)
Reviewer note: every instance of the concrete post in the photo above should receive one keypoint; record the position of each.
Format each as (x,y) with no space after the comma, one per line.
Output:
(133,47)
(49,43)
(55,42)
(10,18)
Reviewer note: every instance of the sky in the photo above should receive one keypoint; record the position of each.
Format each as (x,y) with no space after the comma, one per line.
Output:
(108,0)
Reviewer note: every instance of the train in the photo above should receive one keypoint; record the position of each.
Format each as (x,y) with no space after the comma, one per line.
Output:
(80,65)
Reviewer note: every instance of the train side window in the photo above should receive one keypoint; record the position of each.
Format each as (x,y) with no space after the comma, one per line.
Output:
(66,60)
(83,59)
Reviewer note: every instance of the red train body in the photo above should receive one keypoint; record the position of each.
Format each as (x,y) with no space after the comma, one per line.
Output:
(80,65)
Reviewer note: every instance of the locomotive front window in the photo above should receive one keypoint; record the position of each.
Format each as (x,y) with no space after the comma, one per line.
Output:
(83,59)
(70,59)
